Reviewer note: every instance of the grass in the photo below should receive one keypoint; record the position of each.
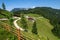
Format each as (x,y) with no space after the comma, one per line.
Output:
(44,28)
(1,16)
(32,15)
(5,34)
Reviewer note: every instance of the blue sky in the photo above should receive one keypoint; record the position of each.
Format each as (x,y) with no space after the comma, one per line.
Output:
(10,4)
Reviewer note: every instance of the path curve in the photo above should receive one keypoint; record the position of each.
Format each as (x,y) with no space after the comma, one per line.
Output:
(3,19)
(16,25)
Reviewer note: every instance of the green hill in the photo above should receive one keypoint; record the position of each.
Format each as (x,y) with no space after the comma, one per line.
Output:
(4,13)
(47,12)
(47,22)
(5,34)
(44,28)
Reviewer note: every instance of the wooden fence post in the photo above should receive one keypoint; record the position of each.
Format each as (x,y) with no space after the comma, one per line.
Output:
(18,34)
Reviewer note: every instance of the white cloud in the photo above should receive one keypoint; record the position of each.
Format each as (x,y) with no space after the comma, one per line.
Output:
(33,6)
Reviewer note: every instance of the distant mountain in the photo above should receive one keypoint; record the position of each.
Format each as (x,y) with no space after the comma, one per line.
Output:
(17,9)
(47,12)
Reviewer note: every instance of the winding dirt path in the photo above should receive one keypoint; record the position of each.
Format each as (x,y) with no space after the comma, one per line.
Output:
(16,25)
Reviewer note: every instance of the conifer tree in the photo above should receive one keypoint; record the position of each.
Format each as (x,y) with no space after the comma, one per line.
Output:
(24,22)
(34,28)
(3,6)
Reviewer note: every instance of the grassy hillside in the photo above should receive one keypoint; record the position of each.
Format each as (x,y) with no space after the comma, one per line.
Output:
(5,34)
(47,12)
(4,13)
(44,28)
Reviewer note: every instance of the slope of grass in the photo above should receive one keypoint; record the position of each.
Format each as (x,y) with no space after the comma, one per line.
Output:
(5,13)
(32,15)
(44,28)
(5,34)
(1,16)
